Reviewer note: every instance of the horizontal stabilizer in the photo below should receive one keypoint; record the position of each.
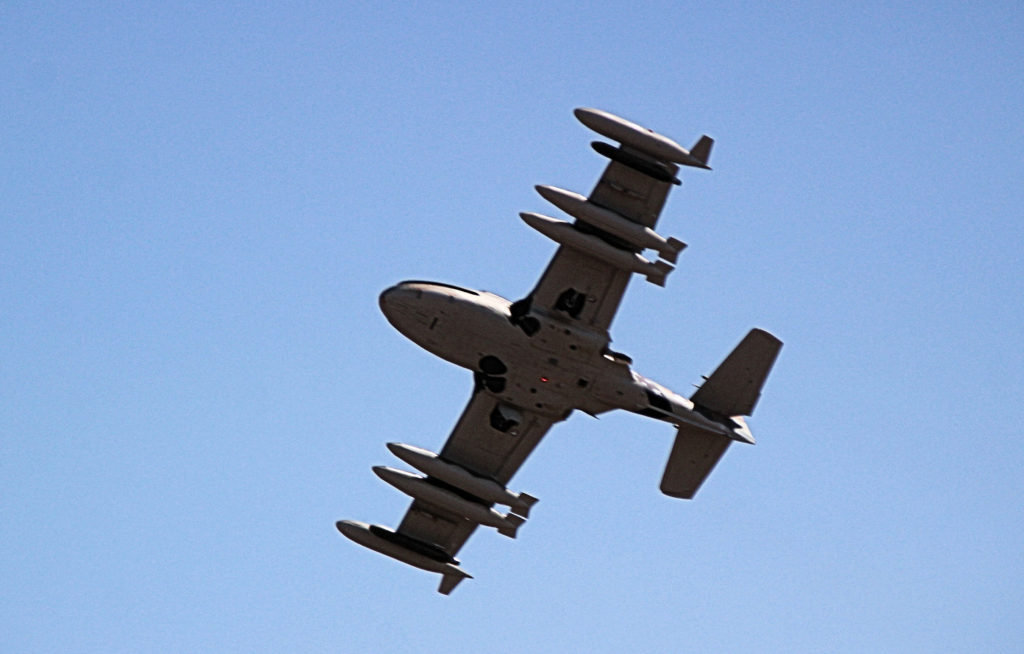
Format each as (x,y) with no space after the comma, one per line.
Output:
(734,387)
(694,455)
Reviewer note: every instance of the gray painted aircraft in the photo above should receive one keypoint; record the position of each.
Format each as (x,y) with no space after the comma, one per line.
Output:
(538,359)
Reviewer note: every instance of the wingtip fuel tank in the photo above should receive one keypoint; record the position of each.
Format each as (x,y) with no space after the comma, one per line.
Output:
(408,550)
(643,139)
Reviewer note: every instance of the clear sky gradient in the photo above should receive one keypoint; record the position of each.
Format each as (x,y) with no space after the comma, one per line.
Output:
(200,204)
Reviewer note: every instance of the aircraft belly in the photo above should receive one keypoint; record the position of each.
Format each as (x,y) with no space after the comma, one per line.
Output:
(550,373)
(541,383)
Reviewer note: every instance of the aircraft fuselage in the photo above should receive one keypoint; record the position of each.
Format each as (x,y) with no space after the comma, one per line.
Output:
(551,368)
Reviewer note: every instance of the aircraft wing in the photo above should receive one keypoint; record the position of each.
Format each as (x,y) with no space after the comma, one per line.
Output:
(482,449)
(583,286)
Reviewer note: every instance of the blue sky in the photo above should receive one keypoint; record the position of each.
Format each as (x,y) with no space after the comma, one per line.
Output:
(199,206)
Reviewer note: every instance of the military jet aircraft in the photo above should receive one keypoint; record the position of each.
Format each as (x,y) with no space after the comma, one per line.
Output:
(538,359)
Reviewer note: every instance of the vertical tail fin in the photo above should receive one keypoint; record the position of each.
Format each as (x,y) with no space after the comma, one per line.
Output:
(735,386)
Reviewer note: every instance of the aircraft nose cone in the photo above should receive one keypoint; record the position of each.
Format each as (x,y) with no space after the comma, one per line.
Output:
(399,296)
(391,302)
(404,308)
(387,297)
